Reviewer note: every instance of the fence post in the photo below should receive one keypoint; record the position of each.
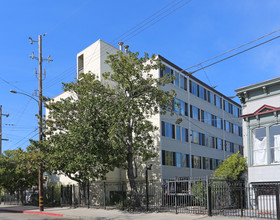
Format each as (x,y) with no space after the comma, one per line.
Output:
(241,202)
(147,191)
(104,187)
(52,196)
(70,195)
(88,194)
(209,205)
(74,195)
(277,202)
(79,194)
(122,197)
(176,208)
(61,195)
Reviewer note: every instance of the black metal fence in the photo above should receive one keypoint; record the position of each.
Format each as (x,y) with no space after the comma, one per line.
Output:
(31,196)
(181,195)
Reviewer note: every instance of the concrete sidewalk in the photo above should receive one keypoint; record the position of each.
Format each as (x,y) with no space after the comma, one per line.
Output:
(101,214)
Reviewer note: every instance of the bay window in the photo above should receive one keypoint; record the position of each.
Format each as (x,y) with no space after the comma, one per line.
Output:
(259,146)
(274,139)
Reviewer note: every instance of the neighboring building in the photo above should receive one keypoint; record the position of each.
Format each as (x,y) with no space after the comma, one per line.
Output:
(261,126)
(210,131)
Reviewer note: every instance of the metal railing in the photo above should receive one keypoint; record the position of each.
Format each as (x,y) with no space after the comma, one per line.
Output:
(206,196)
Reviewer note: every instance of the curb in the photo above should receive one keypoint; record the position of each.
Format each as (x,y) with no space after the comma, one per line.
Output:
(31,212)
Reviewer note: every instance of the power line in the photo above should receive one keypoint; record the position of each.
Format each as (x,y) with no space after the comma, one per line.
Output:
(25,138)
(146,23)
(67,16)
(143,21)
(243,51)
(159,20)
(233,49)
(5,81)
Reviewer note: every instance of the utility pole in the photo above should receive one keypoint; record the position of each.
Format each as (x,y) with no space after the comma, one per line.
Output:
(40,59)
(7,115)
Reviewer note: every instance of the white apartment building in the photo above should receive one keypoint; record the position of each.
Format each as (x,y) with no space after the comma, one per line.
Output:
(210,130)
(261,126)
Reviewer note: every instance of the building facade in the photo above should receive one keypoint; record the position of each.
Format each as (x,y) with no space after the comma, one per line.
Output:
(210,129)
(261,126)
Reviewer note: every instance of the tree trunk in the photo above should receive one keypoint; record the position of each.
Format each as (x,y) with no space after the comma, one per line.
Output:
(135,200)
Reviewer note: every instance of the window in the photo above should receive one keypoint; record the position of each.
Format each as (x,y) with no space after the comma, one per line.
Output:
(213,142)
(219,123)
(214,120)
(193,88)
(211,163)
(241,149)
(184,160)
(219,144)
(226,106)
(207,164)
(177,79)
(239,131)
(201,92)
(274,132)
(195,113)
(206,140)
(175,159)
(185,134)
(227,146)
(259,146)
(194,137)
(202,139)
(218,101)
(235,129)
(235,111)
(227,126)
(183,82)
(196,162)
(81,64)
(210,97)
(186,109)
(178,133)
(168,158)
(231,147)
(167,130)
(207,118)
(179,106)
(178,160)
(166,70)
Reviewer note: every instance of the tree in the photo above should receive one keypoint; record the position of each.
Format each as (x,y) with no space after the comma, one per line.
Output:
(233,168)
(77,140)
(18,169)
(102,126)
(138,97)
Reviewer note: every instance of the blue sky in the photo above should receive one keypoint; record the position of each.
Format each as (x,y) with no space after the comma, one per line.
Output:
(194,32)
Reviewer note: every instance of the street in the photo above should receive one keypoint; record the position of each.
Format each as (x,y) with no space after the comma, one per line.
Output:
(25,216)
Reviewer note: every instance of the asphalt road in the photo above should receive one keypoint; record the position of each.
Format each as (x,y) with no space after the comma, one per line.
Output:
(26,216)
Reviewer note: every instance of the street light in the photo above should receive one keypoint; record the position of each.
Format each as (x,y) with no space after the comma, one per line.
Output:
(40,139)
(148,167)
(13,91)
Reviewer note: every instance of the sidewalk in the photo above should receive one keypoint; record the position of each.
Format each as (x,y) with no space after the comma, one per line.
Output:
(101,214)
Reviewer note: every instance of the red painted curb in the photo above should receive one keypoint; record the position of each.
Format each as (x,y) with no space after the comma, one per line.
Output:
(31,212)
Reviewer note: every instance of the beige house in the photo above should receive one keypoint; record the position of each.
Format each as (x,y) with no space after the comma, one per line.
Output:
(261,126)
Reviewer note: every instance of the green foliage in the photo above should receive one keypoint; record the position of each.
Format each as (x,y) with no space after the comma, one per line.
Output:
(18,169)
(78,142)
(232,168)
(106,125)
(199,190)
